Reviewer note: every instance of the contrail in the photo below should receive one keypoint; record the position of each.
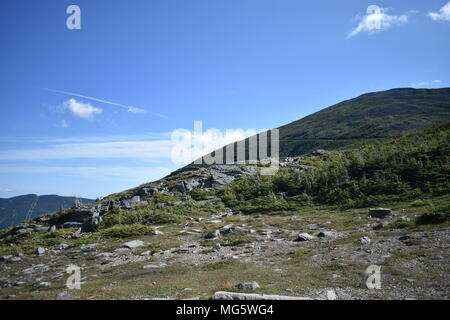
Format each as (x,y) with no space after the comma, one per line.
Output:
(129,108)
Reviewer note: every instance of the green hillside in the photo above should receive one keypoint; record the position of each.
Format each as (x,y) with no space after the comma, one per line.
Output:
(370,117)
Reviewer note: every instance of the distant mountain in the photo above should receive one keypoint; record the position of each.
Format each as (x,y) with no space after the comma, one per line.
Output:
(15,210)
(369,117)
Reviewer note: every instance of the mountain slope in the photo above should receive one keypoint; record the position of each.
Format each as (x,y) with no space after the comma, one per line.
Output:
(369,117)
(16,209)
(372,115)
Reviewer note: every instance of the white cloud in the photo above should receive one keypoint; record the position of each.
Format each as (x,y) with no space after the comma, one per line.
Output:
(443,15)
(63,124)
(426,83)
(90,172)
(130,109)
(136,110)
(122,149)
(191,146)
(375,20)
(80,109)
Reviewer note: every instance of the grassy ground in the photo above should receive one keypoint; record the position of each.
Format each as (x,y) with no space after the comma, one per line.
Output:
(414,268)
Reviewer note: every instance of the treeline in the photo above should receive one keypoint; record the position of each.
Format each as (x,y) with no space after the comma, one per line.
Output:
(403,168)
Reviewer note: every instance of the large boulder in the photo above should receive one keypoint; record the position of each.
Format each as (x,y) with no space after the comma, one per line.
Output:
(223,295)
(379,212)
(304,237)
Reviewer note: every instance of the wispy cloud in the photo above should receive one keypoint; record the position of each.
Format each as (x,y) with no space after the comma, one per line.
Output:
(377,19)
(426,83)
(80,109)
(442,15)
(130,109)
(124,149)
(63,124)
(90,172)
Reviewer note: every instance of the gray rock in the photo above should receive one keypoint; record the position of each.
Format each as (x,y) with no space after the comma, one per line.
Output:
(39,251)
(157,233)
(162,205)
(81,215)
(381,225)
(155,266)
(403,238)
(379,212)
(15,259)
(212,234)
(323,234)
(52,229)
(62,246)
(88,247)
(304,237)
(134,244)
(44,284)
(121,251)
(217,246)
(67,225)
(364,240)
(248,285)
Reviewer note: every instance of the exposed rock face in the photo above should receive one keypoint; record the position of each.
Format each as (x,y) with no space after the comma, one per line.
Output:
(133,244)
(379,212)
(304,237)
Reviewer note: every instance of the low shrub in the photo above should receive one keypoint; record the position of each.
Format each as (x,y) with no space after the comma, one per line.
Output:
(124,231)
(434,215)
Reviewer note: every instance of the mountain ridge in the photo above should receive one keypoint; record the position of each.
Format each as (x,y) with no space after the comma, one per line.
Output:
(15,209)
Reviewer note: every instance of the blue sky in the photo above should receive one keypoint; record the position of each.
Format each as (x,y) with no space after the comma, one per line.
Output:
(89,112)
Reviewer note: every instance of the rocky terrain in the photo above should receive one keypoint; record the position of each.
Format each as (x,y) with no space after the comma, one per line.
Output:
(355,191)
(302,253)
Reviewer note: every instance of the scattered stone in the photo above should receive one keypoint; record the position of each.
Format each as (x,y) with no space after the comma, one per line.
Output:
(62,246)
(155,266)
(88,247)
(381,225)
(217,246)
(4,258)
(214,221)
(52,229)
(403,238)
(44,284)
(134,244)
(323,234)
(157,233)
(248,285)
(121,250)
(364,240)
(379,212)
(39,251)
(304,237)
(212,234)
(15,259)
